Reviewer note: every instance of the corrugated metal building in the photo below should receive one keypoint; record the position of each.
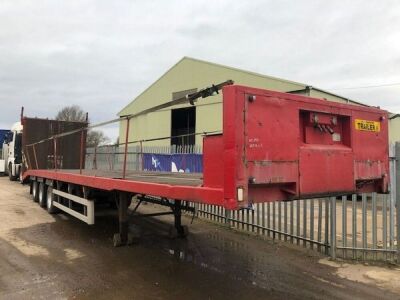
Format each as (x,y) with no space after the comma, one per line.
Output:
(185,77)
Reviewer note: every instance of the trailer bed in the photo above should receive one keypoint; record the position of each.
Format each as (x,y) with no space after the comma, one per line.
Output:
(183,186)
(170,178)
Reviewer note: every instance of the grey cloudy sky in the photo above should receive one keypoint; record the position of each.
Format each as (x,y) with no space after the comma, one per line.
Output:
(101,54)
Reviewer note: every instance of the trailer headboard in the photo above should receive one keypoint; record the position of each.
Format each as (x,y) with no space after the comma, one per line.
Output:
(280,146)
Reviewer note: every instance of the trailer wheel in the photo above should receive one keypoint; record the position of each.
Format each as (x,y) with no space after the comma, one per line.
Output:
(35,191)
(51,209)
(42,195)
(10,175)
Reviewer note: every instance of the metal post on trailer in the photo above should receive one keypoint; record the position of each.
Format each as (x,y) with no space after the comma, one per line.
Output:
(81,154)
(126,148)
(55,152)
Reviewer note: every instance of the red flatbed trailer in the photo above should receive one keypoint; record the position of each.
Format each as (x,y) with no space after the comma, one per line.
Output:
(274,147)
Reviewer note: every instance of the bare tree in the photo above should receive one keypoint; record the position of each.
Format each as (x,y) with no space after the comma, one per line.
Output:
(75,113)
(71,113)
(96,138)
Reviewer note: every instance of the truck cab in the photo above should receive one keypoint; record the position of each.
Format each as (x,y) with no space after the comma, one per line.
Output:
(12,152)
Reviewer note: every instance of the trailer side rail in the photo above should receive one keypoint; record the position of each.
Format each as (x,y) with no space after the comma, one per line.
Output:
(86,216)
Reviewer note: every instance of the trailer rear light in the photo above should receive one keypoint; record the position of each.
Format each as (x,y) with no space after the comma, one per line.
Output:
(240,194)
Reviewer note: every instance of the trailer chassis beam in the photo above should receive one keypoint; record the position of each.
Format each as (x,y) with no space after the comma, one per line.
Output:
(165,202)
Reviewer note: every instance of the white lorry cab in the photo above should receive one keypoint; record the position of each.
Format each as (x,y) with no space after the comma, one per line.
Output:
(12,152)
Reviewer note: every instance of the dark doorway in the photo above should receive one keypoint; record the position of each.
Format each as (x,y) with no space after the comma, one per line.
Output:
(183,122)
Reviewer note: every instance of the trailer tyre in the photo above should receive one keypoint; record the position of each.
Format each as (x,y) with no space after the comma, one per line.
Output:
(10,175)
(51,209)
(42,195)
(35,191)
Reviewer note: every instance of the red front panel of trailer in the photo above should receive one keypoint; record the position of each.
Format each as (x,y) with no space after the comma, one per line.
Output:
(280,146)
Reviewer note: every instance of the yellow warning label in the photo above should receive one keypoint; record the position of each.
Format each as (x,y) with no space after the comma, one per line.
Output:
(367,125)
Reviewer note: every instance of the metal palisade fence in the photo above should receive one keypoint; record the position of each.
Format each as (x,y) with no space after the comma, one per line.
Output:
(361,227)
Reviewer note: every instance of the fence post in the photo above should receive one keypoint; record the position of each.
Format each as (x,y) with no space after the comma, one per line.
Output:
(227,217)
(396,188)
(392,195)
(333,227)
(141,157)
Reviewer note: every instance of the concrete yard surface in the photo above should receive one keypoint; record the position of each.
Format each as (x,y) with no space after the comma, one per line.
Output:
(45,256)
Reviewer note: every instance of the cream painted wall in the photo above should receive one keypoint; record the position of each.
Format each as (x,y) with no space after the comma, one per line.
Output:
(208,118)
(153,125)
(394,130)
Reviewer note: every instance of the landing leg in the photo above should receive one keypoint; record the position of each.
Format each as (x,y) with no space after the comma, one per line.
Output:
(178,230)
(123,237)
